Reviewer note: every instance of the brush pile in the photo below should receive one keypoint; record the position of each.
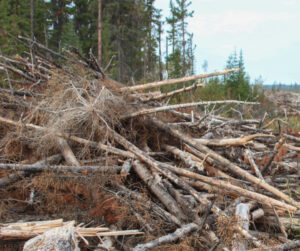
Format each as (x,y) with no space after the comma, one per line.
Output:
(80,146)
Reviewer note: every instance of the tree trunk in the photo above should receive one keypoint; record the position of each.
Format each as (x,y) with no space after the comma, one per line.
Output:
(99,31)
(183,44)
(174,81)
(32,19)
(159,44)
(167,54)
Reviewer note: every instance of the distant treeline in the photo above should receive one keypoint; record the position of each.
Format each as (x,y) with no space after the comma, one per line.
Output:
(283,87)
(138,44)
(132,33)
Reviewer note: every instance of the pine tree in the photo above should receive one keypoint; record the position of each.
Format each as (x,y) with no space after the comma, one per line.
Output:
(159,34)
(60,11)
(15,20)
(172,21)
(182,41)
(182,14)
(237,83)
(83,24)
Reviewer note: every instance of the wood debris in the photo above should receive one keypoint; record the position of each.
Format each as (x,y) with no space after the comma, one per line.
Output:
(78,145)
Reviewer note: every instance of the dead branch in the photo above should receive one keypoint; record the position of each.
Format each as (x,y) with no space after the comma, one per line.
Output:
(174,81)
(225,162)
(232,141)
(73,138)
(61,168)
(154,185)
(291,245)
(172,107)
(172,93)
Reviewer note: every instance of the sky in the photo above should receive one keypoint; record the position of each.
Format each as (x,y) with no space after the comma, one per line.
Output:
(266,30)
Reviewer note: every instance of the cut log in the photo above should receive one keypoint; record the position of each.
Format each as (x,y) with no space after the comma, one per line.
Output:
(53,168)
(13,177)
(242,212)
(174,81)
(172,93)
(73,138)
(185,157)
(226,186)
(158,189)
(180,233)
(67,152)
(232,141)
(26,230)
(234,168)
(253,164)
(148,203)
(293,138)
(57,239)
(292,148)
(173,107)
(291,245)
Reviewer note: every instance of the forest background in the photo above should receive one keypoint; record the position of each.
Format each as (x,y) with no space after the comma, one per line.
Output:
(133,50)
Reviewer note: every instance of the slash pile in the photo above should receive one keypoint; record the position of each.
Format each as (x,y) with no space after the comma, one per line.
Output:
(78,145)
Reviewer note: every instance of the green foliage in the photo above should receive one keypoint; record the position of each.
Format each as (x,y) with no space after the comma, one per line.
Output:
(237,85)
(59,15)
(132,33)
(15,18)
(213,90)
(181,59)
(69,37)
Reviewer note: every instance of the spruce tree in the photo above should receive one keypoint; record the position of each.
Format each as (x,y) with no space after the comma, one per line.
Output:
(60,11)
(183,14)
(172,21)
(237,83)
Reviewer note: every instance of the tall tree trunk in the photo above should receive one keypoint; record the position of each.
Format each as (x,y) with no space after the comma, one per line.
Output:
(99,31)
(119,47)
(167,55)
(173,38)
(32,19)
(159,41)
(183,43)
(150,40)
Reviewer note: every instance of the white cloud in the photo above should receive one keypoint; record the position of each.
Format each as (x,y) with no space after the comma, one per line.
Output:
(231,22)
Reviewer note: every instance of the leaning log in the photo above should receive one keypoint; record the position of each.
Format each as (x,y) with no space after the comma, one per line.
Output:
(158,189)
(73,138)
(173,107)
(175,81)
(231,166)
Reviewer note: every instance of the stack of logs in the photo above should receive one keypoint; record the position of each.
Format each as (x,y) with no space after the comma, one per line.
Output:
(187,177)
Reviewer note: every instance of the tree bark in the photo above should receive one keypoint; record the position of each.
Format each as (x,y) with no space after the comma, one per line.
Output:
(67,152)
(172,93)
(174,81)
(158,189)
(100,31)
(32,19)
(172,107)
(73,138)
(234,168)
(292,245)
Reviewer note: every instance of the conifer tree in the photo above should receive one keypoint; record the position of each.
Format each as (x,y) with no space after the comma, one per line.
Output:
(60,11)
(237,83)
(14,20)
(182,14)
(172,21)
